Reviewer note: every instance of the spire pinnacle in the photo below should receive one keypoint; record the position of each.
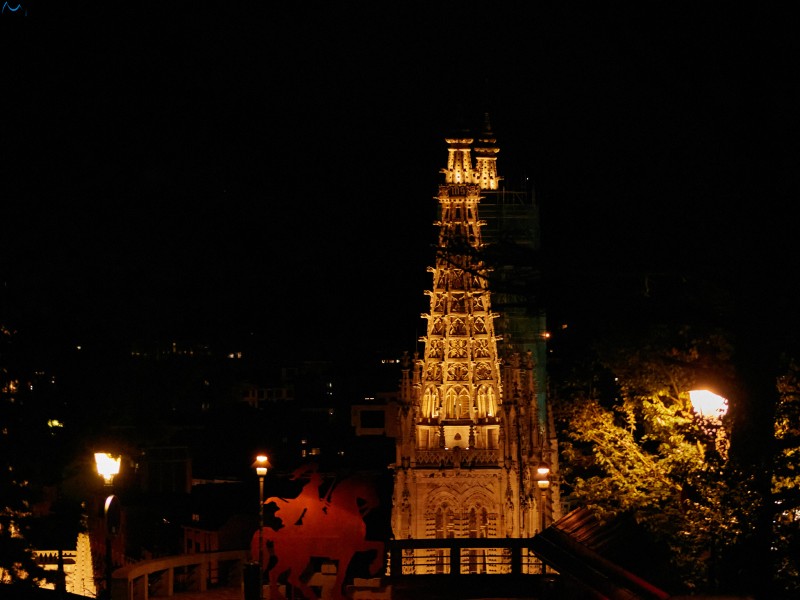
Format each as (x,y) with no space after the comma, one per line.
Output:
(487,127)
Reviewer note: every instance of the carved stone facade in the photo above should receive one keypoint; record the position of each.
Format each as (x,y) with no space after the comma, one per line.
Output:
(472,430)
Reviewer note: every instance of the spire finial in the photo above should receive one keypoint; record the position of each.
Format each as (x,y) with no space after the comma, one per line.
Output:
(487,125)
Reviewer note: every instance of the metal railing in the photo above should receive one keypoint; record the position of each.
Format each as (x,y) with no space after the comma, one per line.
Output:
(462,556)
(162,577)
(509,559)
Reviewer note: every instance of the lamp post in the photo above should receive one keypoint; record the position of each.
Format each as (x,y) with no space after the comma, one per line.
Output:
(543,483)
(261,466)
(108,467)
(711,408)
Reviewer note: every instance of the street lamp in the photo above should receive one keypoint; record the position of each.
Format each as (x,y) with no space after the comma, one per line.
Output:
(543,475)
(711,408)
(261,466)
(542,482)
(108,468)
(708,404)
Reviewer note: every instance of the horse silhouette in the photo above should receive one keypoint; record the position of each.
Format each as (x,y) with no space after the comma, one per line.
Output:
(332,527)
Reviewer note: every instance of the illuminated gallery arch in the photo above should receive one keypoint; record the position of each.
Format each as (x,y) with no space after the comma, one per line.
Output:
(430,402)
(457,402)
(464,403)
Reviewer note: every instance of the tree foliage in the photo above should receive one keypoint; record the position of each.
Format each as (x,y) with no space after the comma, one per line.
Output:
(639,449)
(17,563)
(786,483)
(34,511)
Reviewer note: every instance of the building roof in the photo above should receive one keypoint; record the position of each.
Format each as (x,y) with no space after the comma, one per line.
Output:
(580,546)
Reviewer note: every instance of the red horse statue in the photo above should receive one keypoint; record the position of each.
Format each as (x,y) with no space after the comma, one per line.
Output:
(332,527)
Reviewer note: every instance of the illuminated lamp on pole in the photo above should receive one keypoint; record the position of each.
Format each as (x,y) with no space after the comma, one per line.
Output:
(711,408)
(543,475)
(108,467)
(543,483)
(261,466)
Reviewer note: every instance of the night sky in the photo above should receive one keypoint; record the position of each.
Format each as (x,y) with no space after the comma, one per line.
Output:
(181,172)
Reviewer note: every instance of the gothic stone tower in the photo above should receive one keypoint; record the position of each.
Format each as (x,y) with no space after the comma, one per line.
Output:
(471,433)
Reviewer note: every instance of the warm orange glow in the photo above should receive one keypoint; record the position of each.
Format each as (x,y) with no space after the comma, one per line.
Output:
(543,484)
(107,465)
(708,404)
(543,469)
(262,465)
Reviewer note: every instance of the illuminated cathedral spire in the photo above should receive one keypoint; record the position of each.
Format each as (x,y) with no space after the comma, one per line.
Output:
(470,436)
(461,377)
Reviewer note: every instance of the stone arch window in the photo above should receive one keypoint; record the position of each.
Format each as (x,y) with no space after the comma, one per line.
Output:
(445,522)
(483,523)
(463,403)
(430,402)
(491,402)
(482,401)
(480,522)
(472,523)
(457,403)
(451,401)
(440,523)
(477,527)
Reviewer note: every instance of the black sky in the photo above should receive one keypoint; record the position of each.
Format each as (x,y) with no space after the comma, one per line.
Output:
(196,171)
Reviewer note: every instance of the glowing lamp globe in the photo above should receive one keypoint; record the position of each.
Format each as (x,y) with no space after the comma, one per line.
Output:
(708,404)
(262,465)
(107,465)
